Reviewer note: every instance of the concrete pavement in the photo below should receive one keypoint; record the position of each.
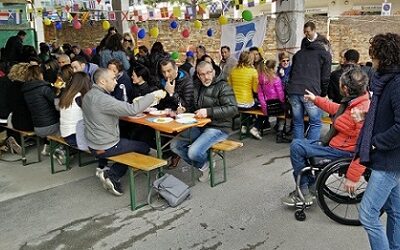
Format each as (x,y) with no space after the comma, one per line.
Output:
(71,210)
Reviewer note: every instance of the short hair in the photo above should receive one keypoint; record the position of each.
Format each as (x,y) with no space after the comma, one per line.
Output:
(165,62)
(226,47)
(143,71)
(352,55)
(65,56)
(201,47)
(355,80)
(144,48)
(385,48)
(283,55)
(76,47)
(99,74)
(310,24)
(254,49)
(80,59)
(21,33)
(117,64)
(203,64)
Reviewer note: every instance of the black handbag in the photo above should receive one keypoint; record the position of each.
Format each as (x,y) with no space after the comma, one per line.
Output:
(275,107)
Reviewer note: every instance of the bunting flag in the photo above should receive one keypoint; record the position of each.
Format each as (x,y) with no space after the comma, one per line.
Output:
(124,15)
(263,2)
(189,12)
(250,3)
(85,17)
(176,11)
(39,11)
(151,13)
(225,5)
(202,9)
(238,4)
(213,8)
(75,7)
(92,4)
(164,12)
(111,16)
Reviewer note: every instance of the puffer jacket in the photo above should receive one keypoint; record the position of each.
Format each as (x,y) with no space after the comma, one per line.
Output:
(269,90)
(219,100)
(244,81)
(39,98)
(347,129)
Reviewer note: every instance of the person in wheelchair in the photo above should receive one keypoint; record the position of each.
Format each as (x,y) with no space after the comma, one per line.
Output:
(341,139)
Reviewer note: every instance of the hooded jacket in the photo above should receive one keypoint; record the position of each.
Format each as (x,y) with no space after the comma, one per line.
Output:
(39,98)
(311,68)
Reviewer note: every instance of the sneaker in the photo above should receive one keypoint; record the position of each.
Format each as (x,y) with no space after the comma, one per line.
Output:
(243,130)
(110,184)
(13,145)
(292,200)
(46,150)
(205,173)
(101,170)
(254,132)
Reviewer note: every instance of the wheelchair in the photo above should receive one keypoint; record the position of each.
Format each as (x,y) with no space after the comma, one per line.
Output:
(332,198)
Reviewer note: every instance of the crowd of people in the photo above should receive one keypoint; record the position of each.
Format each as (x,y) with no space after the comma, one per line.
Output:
(81,95)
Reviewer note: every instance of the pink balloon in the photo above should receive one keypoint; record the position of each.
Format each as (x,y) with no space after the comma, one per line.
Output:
(88,51)
(185,33)
(134,29)
(77,25)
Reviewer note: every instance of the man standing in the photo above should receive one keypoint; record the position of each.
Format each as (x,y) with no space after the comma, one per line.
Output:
(227,62)
(310,70)
(214,99)
(14,47)
(179,87)
(200,52)
(101,113)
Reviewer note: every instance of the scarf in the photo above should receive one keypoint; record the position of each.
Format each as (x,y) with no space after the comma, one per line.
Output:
(379,81)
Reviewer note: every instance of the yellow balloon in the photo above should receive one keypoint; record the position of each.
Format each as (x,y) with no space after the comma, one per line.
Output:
(197,24)
(223,20)
(136,51)
(70,17)
(106,25)
(46,21)
(154,32)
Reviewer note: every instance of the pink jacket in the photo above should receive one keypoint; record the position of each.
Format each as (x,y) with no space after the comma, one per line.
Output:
(269,91)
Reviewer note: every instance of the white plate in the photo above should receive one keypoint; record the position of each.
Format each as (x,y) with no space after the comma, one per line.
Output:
(138,116)
(185,115)
(186,120)
(162,119)
(150,109)
(158,112)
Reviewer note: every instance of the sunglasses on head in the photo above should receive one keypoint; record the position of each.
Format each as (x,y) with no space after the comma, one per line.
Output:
(127,40)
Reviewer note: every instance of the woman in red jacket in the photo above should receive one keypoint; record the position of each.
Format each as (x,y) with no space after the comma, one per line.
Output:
(353,85)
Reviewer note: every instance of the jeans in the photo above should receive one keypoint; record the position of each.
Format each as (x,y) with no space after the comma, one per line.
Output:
(202,140)
(383,191)
(71,140)
(118,170)
(299,105)
(301,150)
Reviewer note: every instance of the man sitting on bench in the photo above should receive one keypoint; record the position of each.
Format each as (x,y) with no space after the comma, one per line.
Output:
(342,137)
(101,113)
(214,99)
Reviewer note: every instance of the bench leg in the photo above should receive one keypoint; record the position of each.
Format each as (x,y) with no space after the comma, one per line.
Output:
(82,163)
(132,188)
(23,150)
(39,153)
(53,146)
(213,182)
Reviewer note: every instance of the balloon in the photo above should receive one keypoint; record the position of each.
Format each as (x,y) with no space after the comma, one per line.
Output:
(189,54)
(88,51)
(154,32)
(106,25)
(46,21)
(134,29)
(175,55)
(58,25)
(173,25)
(210,32)
(185,33)
(222,20)
(136,51)
(141,33)
(197,24)
(247,15)
(77,25)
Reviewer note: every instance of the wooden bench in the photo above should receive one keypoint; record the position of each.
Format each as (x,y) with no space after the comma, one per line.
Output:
(56,141)
(219,149)
(138,164)
(22,136)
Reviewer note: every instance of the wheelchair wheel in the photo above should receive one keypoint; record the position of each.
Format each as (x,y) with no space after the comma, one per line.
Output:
(332,197)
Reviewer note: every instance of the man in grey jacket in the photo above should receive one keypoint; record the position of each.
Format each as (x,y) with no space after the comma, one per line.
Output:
(101,113)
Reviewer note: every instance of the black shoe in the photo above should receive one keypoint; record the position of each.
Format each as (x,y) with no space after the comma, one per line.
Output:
(111,184)
(280,138)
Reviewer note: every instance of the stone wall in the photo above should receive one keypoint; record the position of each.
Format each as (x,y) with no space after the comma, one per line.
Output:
(344,32)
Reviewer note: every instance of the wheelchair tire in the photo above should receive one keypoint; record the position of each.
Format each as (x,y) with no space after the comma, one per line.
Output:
(333,200)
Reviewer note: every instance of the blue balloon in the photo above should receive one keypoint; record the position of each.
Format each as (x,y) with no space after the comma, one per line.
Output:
(173,24)
(210,32)
(141,34)
(58,25)
(189,54)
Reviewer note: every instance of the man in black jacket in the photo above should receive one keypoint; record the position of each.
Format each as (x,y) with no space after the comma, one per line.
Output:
(214,99)
(311,69)
(13,48)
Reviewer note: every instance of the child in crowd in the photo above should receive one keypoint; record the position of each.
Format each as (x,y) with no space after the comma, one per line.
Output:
(123,91)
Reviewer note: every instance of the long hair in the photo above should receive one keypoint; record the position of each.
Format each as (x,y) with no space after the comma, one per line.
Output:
(34,72)
(66,73)
(18,72)
(114,43)
(268,69)
(245,60)
(80,82)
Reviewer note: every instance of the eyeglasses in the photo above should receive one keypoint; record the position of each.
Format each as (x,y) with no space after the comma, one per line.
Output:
(127,40)
(285,61)
(205,74)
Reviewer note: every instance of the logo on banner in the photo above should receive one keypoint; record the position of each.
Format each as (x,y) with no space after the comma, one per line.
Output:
(244,36)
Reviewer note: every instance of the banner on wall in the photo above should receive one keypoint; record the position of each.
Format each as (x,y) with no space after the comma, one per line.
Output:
(242,36)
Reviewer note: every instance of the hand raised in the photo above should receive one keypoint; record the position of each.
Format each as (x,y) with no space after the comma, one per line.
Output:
(309,96)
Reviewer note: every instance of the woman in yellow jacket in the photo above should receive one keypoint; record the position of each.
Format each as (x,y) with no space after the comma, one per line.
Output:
(244,80)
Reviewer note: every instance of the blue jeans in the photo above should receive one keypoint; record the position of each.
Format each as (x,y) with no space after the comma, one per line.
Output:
(202,139)
(299,105)
(383,191)
(301,150)
(118,170)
